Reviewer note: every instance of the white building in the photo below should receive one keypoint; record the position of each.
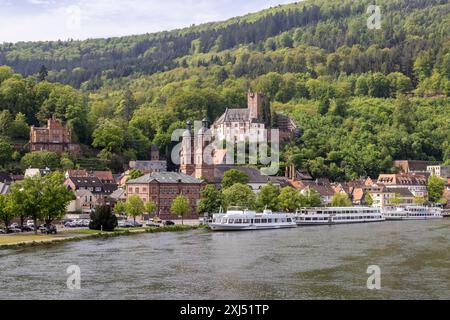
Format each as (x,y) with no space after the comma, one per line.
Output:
(440,171)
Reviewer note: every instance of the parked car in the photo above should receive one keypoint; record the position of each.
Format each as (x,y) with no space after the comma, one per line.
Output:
(2,231)
(13,230)
(30,223)
(49,229)
(135,224)
(156,220)
(152,224)
(85,223)
(14,225)
(169,223)
(68,224)
(28,228)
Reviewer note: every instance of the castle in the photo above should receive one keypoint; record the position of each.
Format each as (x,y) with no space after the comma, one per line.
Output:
(55,138)
(235,124)
(199,158)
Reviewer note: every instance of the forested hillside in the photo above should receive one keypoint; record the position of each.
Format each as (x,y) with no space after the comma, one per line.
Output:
(361,97)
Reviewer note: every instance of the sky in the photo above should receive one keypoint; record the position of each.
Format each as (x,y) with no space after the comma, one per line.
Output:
(35,20)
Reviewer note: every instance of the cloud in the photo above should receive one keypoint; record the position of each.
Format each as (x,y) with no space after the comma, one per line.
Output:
(32,20)
(39,2)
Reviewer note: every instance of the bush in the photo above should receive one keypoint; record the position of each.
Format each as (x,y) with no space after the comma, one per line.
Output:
(103,219)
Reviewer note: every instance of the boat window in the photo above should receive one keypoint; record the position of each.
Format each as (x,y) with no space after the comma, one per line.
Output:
(257,220)
(264,220)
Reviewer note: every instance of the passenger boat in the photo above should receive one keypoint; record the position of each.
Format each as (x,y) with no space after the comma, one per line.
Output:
(337,215)
(236,219)
(412,213)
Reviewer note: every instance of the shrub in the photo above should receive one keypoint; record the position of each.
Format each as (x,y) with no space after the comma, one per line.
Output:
(103,219)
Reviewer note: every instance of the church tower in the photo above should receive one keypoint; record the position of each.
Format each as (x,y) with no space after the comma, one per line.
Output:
(204,166)
(187,163)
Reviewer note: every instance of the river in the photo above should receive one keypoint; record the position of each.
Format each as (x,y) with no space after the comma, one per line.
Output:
(325,262)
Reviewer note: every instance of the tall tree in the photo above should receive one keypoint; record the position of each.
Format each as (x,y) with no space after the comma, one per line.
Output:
(211,200)
(26,198)
(150,207)
(6,212)
(180,207)
(54,198)
(134,206)
(239,195)
(232,177)
(42,74)
(436,187)
(289,199)
(341,200)
(268,198)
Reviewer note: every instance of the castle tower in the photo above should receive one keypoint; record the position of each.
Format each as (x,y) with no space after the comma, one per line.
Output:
(259,108)
(204,167)
(187,165)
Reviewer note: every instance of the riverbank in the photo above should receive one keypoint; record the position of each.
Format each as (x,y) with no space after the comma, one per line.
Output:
(20,240)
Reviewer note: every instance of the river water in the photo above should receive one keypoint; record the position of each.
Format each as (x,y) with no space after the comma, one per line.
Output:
(326,262)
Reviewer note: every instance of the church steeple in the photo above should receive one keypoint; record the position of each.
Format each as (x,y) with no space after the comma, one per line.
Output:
(187,163)
(203,168)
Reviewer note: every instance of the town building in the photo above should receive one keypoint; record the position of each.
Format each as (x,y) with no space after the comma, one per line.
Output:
(35,172)
(321,186)
(355,189)
(163,187)
(119,195)
(256,180)
(55,137)
(412,166)
(84,202)
(100,183)
(149,166)
(383,196)
(415,183)
(440,171)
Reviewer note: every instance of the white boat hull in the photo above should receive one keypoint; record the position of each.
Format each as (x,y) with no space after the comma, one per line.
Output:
(412,218)
(231,227)
(303,223)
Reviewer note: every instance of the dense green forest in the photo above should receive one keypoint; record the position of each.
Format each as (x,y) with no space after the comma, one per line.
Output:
(361,97)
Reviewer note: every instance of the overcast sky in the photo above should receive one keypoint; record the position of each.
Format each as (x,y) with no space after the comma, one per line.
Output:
(30,20)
